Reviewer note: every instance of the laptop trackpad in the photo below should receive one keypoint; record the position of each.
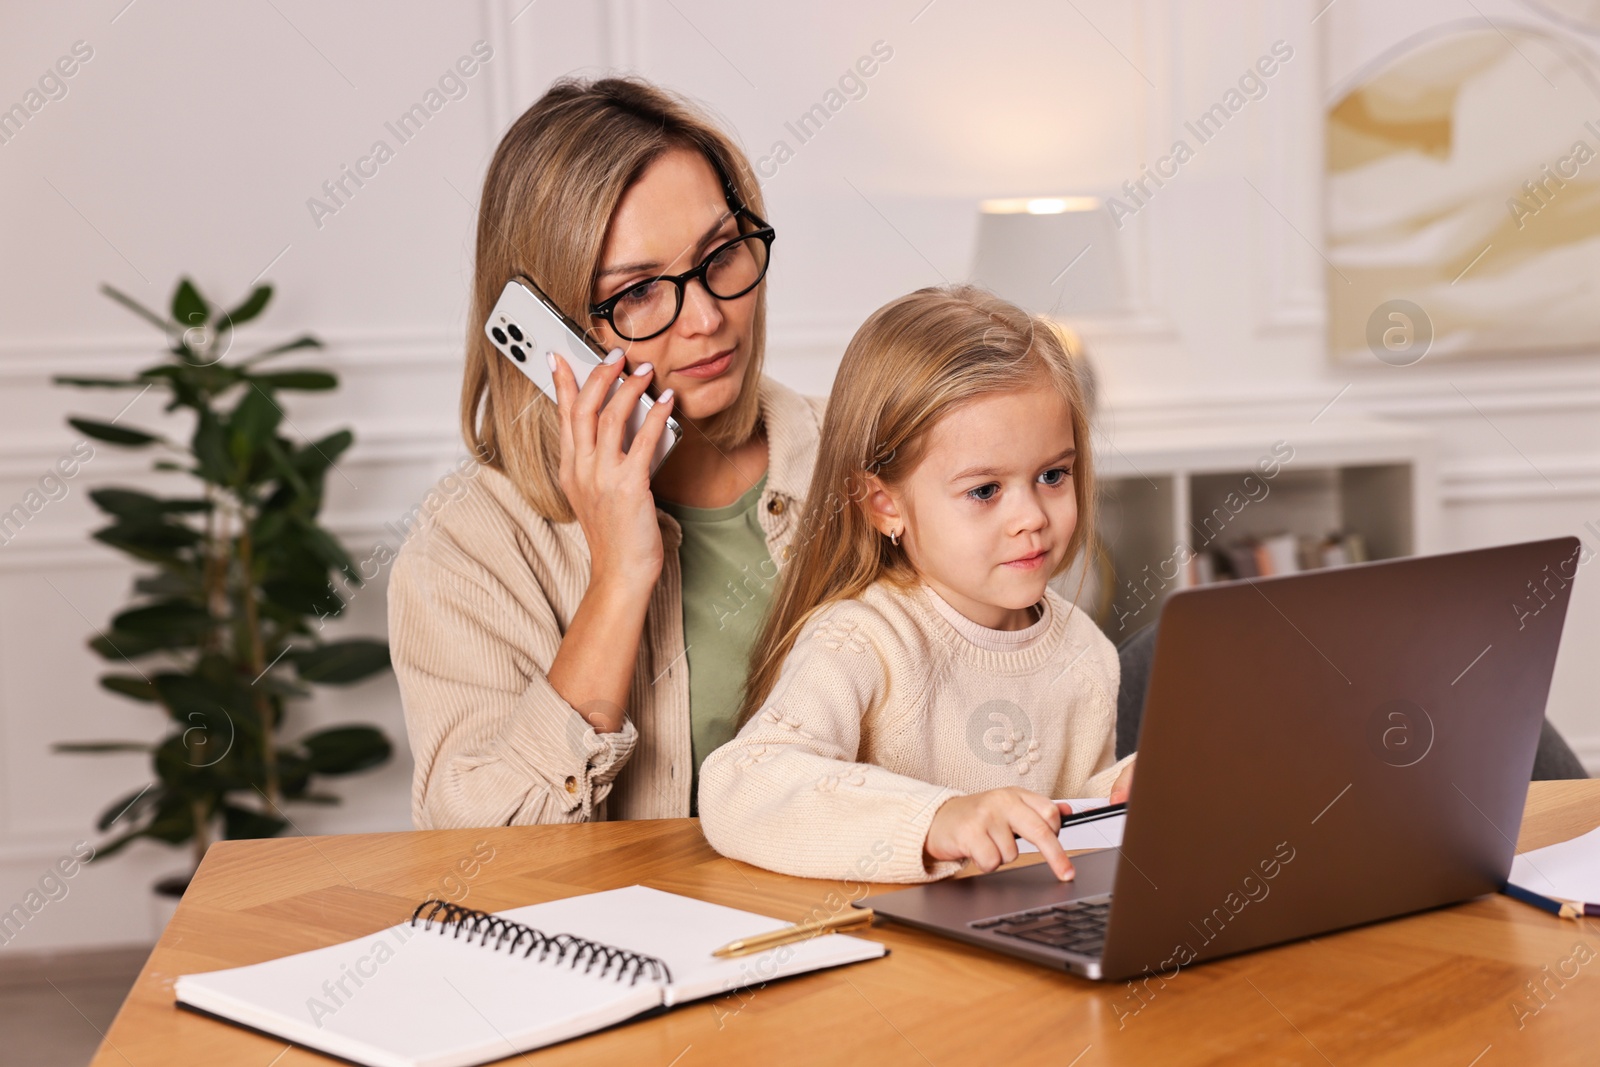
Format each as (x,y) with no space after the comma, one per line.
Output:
(961,900)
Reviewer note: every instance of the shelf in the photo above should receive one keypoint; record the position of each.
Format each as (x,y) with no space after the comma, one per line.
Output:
(1168,493)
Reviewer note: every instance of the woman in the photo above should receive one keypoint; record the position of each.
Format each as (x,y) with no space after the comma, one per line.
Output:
(570,634)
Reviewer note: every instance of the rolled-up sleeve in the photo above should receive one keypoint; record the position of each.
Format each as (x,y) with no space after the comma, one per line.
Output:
(494,743)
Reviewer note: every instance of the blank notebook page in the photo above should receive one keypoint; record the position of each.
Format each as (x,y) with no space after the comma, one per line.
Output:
(409,997)
(683,932)
(424,1000)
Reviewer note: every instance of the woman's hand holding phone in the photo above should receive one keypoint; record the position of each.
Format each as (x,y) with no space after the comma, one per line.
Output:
(610,494)
(610,489)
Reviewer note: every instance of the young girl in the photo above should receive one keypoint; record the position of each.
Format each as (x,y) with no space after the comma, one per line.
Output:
(917,693)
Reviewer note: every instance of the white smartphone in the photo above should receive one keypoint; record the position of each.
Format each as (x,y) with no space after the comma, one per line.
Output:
(524,325)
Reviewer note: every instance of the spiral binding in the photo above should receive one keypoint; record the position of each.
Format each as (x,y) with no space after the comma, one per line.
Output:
(510,935)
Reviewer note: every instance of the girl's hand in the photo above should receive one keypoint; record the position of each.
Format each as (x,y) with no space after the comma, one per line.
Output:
(609,488)
(1124,783)
(983,828)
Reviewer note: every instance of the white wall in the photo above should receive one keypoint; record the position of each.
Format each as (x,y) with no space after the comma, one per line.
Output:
(193,138)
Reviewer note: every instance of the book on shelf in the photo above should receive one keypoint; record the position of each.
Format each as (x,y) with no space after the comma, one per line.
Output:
(1279,553)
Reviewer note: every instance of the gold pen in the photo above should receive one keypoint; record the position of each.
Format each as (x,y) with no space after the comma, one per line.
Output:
(799,932)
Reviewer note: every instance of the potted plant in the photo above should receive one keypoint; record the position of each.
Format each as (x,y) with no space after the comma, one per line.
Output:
(225,630)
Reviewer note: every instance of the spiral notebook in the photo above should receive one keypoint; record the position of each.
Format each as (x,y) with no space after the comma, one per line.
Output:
(453,987)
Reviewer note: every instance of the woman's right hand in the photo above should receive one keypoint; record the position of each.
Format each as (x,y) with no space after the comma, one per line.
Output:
(610,489)
(984,827)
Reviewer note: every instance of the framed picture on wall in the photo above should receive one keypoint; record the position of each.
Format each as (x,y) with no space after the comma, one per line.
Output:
(1462,178)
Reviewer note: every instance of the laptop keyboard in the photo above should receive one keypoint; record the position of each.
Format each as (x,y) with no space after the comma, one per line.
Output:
(1076,926)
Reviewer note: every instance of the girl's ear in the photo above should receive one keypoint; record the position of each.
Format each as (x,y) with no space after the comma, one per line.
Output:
(883,509)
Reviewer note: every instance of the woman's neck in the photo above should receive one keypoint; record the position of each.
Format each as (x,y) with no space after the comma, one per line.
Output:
(701,474)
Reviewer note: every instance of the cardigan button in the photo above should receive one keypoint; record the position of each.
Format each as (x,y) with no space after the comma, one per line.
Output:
(572,784)
(785,553)
(775,505)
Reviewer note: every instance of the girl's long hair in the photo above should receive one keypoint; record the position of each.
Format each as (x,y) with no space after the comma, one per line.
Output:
(551,189)
(908,366)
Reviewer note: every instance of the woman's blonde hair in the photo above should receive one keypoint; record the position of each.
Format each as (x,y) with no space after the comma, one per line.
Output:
(552,187)
(908,366)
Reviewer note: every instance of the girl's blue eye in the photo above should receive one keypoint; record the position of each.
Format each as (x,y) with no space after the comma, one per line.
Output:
(1065,472)
(984,493)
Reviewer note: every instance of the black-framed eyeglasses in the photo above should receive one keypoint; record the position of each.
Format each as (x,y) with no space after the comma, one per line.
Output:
(648,308)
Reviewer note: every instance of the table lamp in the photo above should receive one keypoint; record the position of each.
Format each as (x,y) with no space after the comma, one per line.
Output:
(1057,256)
(1051,255)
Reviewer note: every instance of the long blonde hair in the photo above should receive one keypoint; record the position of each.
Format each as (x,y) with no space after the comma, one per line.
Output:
(551,189)
(908,366)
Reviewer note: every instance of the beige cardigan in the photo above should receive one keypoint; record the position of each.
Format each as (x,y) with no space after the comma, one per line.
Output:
(883,711)
(480,596)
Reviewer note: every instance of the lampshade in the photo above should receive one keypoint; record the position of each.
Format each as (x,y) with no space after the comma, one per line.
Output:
(1050,255)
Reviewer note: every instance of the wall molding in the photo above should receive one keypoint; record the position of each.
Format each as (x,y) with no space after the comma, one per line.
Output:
(1290,279)
(1536,389)
(1570,477)
(374,446)
(623,21)
(41,358)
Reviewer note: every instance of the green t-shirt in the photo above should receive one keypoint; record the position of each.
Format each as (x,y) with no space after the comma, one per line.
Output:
(728,581)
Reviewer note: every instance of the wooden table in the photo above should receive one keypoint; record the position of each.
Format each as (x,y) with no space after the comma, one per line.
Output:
(1443,987)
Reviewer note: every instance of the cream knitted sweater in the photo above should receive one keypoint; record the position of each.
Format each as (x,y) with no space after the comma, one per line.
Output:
(884,710)
(479,600)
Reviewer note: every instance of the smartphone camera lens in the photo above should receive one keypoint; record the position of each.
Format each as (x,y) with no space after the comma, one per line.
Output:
(517,353)
(514,331)
(499,335)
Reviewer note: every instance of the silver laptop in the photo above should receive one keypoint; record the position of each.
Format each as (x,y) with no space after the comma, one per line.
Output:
(1317,751)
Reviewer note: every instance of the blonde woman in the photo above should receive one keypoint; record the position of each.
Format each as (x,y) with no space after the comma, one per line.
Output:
(571,634)
(915,624)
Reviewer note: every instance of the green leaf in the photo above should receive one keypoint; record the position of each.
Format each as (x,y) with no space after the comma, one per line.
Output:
(283,685)
(118,645)
(253,305)
(98,383)
(100,747)
(127,503)
(346,749)
(157,542)
(129,685)
(341,662)
(325,547)
(210,449)
(133,504)
(168,584)
(117,435)
(304,341)
(318,456)
(286,468)
(253,421)
(137,308)
(188,694)
(243,823)
(167,619)
(180,379)
(130,807)
(303,598)
(309,381)
(189,308)
(174,818)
